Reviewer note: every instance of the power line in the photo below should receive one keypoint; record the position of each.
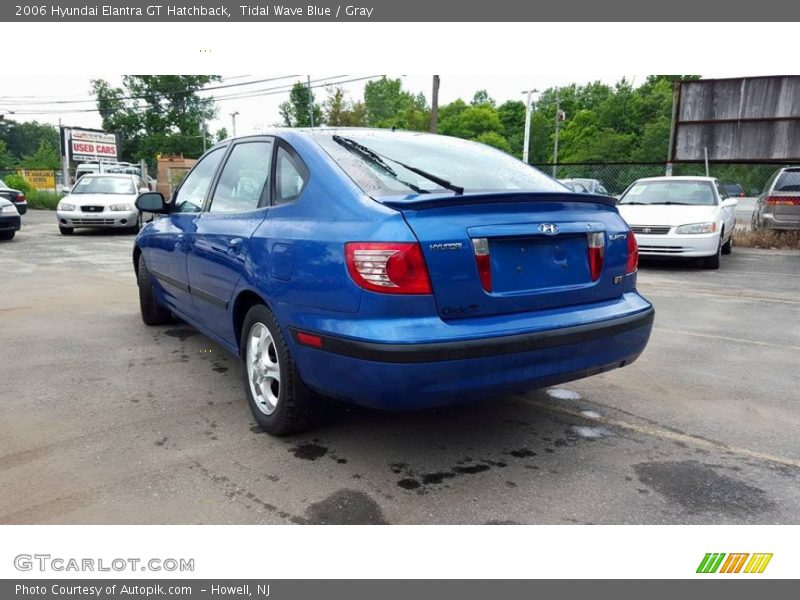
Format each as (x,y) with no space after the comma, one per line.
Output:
(282,89)
(162,91)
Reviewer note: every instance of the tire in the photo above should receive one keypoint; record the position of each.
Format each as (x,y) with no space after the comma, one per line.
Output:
(134,229)
(65,230)
(727,247)
(281,404)
(7,235)
(152,312)
(712,262)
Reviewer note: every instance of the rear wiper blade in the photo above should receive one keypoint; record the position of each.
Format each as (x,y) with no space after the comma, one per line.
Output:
(375,159)
(352,144)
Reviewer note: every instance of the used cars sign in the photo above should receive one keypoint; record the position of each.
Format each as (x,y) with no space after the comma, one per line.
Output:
(86,145)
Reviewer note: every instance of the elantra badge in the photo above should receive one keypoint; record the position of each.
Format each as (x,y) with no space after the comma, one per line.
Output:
(548,228)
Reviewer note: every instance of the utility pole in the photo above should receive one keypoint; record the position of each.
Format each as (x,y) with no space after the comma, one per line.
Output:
(310,102)
(676,91)
(203,133)
(435,105)
(64,156)
(233,123)
(560,116)
(528,109)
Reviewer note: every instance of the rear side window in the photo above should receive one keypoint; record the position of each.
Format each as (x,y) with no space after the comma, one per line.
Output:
(193,190)
(788,181)
(289,178)
(242,184)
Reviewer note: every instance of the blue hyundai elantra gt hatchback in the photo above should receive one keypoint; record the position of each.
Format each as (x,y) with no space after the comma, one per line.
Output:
(392,269)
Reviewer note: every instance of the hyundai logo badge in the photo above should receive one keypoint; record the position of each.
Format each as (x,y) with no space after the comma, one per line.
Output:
(548,228)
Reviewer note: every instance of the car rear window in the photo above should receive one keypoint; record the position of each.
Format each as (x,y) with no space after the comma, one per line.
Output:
(470,165)
(788,181)
(670,192)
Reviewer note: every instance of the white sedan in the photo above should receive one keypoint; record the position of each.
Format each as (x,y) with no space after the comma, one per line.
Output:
(681,217)
(101,200)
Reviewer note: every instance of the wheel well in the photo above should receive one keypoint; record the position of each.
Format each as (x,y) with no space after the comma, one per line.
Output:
(243,303)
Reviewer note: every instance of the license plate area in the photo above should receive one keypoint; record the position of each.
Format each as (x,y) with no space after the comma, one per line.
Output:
(535,263)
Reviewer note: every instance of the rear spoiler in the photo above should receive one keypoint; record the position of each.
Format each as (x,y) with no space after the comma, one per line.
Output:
(423,201)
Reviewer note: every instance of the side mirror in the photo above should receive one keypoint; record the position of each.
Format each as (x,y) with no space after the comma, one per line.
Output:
(144,190)
(152,202)
(730,202)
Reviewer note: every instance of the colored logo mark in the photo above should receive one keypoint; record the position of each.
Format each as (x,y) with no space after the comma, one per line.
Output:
(719,562)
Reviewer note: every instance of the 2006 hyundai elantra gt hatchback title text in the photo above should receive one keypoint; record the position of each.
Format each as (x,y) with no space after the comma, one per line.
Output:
(390,269)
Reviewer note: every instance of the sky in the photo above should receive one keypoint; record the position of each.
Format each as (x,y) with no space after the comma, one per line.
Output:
(29,93)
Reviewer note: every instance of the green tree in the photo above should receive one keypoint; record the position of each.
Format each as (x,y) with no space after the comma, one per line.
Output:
(388,105)
(341,112)
(492,138)
(295,111)
(45,157)
(7,160)
(222,134)
(156,114)
(24,138)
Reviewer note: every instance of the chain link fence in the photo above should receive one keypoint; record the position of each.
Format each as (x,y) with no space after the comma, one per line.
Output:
(616,177)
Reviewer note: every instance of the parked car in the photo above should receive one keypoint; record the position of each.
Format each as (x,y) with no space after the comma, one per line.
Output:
(734,190)
(10,222)
(680,217)
(778,207)
(574,186)
(101,201)
(390,269)
(15,196)
(593,186)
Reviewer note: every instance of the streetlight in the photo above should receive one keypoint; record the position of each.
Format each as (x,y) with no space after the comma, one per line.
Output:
(233,123)
(527,142)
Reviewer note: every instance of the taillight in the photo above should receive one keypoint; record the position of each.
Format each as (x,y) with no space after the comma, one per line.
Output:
(20,197)
(783,200)
(388,267)
(480,246)
(633,254)
(597,251)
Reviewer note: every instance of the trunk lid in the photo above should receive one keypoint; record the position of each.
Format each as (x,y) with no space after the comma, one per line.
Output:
(538,248)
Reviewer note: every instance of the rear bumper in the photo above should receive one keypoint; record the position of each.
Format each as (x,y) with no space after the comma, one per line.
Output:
(422,375)
(770,221)
(483,347)
(22,207)
(12,222)
(687,246)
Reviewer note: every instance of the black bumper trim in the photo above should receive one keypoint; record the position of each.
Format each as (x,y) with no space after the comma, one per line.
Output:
(510,344)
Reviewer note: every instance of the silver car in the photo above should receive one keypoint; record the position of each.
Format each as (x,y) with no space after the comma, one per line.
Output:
(101,200)
(778,207)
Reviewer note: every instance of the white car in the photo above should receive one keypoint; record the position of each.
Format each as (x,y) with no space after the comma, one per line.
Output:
(680,217)
(101,200)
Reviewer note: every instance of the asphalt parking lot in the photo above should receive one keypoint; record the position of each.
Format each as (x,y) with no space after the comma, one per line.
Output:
(105,420)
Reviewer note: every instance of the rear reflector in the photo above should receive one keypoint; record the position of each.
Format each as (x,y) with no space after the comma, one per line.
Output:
(783,200)
(309,340)
(633,254)
(480,247)
(388,267)
(597,251)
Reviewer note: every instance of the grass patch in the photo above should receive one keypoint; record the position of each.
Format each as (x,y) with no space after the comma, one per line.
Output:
(768,239)
(41,200)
